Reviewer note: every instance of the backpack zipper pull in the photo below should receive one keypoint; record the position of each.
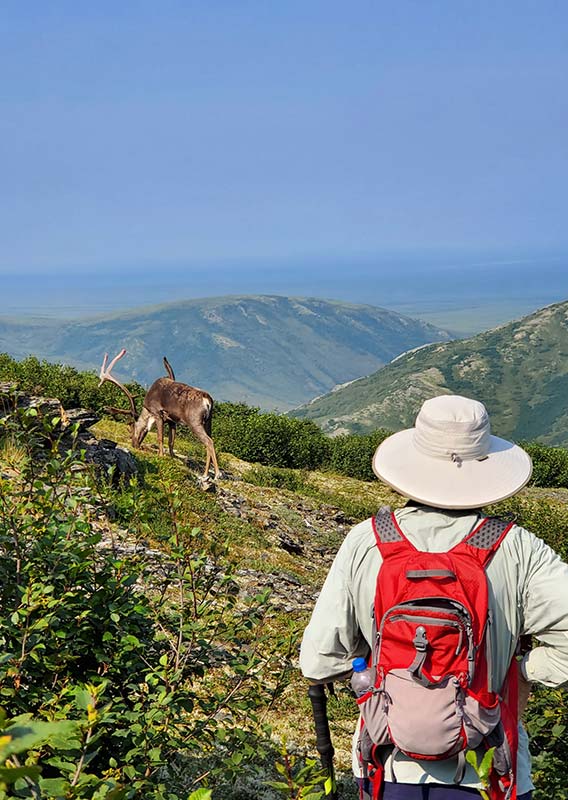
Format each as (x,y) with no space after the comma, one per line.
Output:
(460,642)
(420,643)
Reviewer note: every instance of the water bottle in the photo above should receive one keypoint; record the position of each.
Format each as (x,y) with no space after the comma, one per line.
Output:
(363,677)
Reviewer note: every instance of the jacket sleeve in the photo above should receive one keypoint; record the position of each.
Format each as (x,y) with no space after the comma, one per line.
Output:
(545,607)
(333,638)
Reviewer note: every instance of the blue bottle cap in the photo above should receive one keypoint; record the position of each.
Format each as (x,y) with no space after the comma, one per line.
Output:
(359,665)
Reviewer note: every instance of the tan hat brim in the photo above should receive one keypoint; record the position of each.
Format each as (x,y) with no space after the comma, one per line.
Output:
(443,483)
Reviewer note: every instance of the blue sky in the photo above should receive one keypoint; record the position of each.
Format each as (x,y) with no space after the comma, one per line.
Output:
(144,135)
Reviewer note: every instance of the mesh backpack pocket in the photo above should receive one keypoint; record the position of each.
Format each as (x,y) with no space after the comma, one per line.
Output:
(425,722)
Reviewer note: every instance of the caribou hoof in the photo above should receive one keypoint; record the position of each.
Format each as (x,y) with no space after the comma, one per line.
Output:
(208,479)
(206,484)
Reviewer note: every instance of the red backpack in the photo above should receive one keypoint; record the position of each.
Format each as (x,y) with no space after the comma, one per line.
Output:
(432,696)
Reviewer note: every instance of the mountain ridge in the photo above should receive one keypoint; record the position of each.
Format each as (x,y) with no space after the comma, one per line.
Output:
(518,369)
(268,350)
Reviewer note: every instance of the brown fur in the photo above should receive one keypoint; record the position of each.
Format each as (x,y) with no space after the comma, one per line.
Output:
(168,401)
(172,402)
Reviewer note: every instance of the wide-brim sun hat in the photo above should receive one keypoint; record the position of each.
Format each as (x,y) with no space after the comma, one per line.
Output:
(450,459)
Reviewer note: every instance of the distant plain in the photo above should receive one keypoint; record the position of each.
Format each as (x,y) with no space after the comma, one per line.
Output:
(464,293)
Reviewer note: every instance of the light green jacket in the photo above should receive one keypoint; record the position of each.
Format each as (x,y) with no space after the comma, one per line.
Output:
(528,594)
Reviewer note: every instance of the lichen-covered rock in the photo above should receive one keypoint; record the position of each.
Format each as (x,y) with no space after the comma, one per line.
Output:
(83,417)
(47,407)
(72,431)
(114,461)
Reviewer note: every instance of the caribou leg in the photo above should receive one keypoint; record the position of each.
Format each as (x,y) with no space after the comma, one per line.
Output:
(171,437)
(214,457)
(160,434)
(207,441)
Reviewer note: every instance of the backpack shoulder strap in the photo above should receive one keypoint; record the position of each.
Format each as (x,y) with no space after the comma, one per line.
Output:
(388,535)
(485,538)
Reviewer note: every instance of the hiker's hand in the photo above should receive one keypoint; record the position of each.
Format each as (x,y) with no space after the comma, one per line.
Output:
(524,692)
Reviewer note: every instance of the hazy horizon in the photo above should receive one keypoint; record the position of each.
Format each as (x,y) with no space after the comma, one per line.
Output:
(463,293)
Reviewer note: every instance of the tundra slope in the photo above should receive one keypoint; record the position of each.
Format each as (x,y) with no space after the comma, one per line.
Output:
(519,370)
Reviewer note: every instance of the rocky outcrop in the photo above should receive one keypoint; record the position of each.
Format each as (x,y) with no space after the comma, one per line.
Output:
(72,431)
(114,461)
(11,400)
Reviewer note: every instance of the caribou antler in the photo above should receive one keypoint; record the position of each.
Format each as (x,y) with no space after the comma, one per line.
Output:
(105,375)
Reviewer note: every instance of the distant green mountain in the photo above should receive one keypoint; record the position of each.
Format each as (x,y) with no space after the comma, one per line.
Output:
(272,351)
(519,370)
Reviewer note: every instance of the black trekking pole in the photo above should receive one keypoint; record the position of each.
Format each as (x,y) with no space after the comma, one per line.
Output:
(318,698)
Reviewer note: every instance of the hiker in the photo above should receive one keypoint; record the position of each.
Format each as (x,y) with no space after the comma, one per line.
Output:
(450,466)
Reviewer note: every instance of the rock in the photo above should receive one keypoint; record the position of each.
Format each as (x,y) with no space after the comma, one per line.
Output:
(107,444)
(290,545)
(45,406)
(286,576)
(112,460)
(84,417)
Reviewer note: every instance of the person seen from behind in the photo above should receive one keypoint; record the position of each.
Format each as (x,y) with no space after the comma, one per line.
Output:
(439,629)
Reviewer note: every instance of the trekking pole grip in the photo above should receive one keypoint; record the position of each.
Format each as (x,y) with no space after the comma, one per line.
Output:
(318,699)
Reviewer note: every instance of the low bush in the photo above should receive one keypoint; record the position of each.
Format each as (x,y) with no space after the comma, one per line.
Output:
(230,422)
(71,387)
(550,464)
(352,454)
(546,721)
(270,439)
(281,442)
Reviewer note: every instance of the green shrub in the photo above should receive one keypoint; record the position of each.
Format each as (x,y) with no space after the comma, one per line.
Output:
(230,424)
(546,721)
(550,464)
(278,441)
(270,439)
(73,388)
(351,454)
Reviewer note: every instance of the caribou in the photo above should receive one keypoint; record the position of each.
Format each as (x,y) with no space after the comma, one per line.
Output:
(170,402)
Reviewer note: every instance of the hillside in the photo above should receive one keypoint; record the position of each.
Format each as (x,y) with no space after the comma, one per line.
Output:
(519,370)
(248,559)
(276,352)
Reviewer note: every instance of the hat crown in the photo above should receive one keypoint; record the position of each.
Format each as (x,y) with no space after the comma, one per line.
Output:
(454,428)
